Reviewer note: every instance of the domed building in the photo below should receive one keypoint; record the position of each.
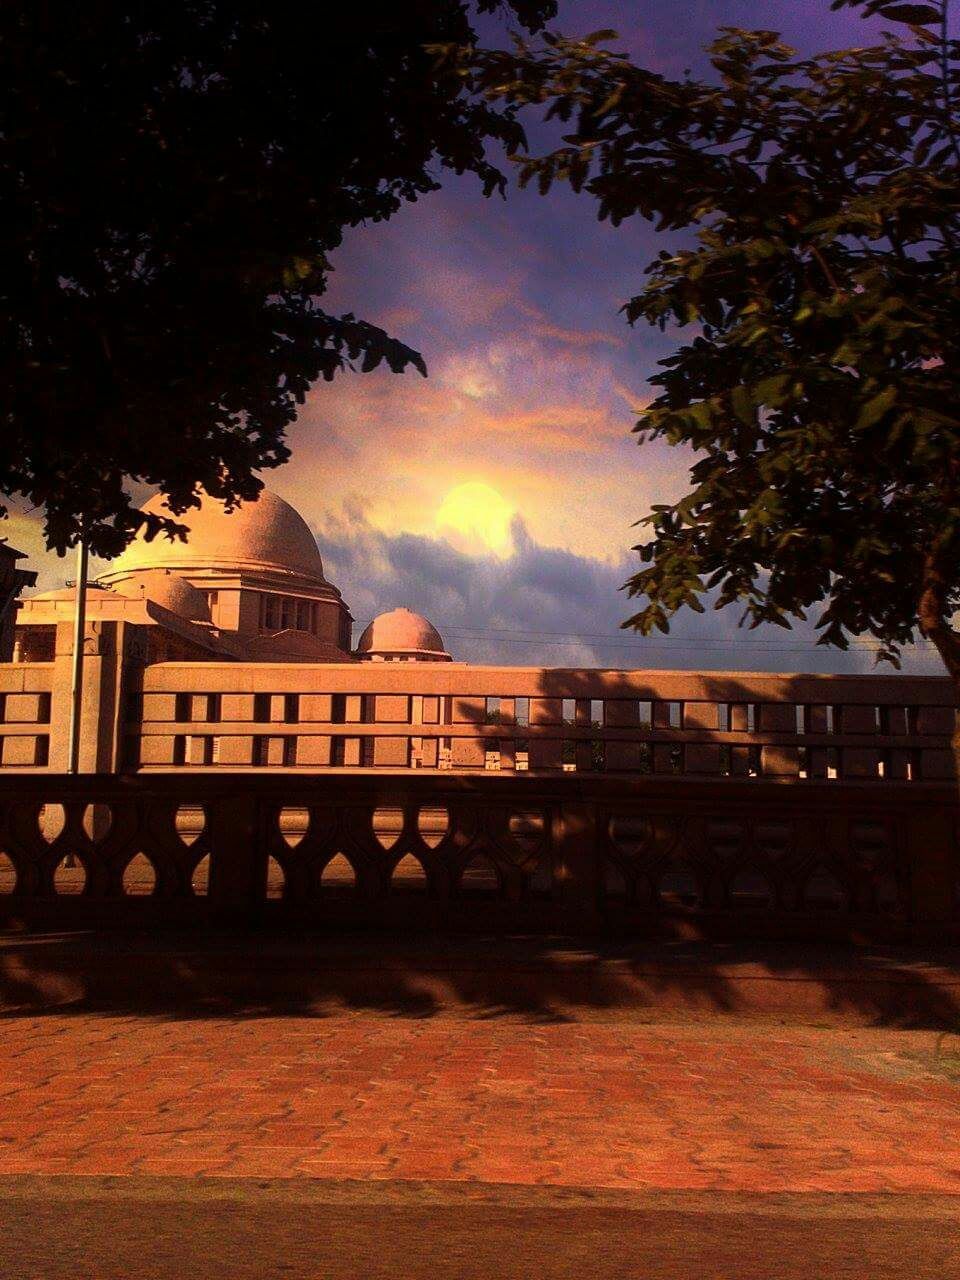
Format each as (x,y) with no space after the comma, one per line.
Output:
(401,636)
(246,584)
(254,575)
(229,647)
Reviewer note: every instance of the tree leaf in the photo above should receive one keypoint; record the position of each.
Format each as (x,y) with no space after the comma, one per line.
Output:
(919,14)
(874,409)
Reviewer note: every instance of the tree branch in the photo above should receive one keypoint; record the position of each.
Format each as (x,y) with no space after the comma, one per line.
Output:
(827,271)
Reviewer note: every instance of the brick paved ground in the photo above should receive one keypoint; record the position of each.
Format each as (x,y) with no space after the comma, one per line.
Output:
(726,1106)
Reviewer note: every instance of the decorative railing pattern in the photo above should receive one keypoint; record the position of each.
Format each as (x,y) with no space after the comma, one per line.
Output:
(447,851)
(435,716)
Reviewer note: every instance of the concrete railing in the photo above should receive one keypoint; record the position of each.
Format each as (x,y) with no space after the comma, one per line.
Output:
(646,856)
(508,719)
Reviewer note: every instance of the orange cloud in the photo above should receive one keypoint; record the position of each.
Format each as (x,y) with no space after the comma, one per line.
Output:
(577,337)
(567,427)
(466,297)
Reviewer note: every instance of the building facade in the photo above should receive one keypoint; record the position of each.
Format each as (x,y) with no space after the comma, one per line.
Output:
(233,651)
(12,581)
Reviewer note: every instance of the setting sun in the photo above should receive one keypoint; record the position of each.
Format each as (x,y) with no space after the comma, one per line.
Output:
(475,518)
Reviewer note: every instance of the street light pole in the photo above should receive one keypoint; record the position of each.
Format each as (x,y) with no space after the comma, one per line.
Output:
(79,629)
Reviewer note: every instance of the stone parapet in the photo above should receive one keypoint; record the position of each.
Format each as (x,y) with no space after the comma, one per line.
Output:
(650,857)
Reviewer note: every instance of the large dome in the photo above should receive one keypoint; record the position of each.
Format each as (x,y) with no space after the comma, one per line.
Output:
(265,534)
(402,632)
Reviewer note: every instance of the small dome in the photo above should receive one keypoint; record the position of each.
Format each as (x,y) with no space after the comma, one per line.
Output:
(401,632)
(168,590)
(265,534)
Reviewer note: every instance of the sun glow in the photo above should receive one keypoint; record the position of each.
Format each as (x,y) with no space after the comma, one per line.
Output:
(476,519)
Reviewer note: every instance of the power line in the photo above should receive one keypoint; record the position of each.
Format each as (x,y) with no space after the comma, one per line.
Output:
(617,640)
(673,646)
(506,635)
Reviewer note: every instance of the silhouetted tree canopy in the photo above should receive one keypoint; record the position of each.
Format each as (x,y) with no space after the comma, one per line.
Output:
(819,385)
(173,177)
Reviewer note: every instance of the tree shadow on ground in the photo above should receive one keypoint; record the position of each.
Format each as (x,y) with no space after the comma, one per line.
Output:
(535,979)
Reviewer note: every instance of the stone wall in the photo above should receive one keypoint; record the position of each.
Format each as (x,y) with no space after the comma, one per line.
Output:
(509,719)
(646,856)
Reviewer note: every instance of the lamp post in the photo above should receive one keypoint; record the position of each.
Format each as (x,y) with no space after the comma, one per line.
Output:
(76,681)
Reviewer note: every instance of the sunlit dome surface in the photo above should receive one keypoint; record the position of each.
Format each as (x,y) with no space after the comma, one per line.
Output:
(265,534)
(168,590)
(401,631)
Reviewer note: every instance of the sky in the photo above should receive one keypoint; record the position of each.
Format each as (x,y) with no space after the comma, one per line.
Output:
(498,495)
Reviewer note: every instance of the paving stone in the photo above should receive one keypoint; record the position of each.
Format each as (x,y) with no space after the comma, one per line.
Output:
(725,1105)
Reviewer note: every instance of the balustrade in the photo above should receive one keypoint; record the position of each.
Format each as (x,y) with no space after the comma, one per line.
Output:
(445,851)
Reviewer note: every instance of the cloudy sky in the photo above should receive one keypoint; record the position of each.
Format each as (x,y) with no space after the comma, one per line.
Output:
(497,495)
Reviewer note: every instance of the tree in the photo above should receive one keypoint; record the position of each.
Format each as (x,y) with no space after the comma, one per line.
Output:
(173,179)
(820,382)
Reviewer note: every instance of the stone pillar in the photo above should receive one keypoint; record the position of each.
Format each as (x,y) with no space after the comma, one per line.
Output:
(101,710)
(576,864)
(932,852)
(238,857)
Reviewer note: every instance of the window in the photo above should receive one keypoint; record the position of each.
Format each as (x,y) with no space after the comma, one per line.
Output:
(35,644)
(741,717)
(269,613)
(282,613)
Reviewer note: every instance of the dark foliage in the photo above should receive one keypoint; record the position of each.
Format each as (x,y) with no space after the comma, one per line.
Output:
(818,283)
(173,178)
